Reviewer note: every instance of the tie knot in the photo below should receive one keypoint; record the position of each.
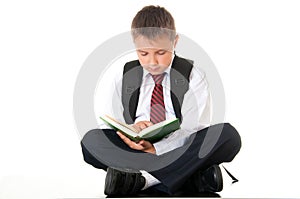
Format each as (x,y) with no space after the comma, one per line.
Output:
(158,78)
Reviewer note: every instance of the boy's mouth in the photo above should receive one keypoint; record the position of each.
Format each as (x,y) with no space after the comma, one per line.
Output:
(153,69)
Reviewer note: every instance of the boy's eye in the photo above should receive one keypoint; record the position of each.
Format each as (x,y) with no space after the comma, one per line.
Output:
(161,52)
(143,53)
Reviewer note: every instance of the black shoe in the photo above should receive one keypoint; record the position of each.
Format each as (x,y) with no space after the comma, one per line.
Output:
(212,177)
(209,180)
(123,182)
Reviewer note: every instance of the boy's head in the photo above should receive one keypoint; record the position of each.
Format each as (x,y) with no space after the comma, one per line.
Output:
(154,35)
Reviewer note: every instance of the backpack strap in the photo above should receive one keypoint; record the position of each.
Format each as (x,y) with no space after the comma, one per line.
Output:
(234,179)
(132,80)
(180,78)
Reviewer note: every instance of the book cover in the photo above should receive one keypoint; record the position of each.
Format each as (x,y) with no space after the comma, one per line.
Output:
(152,133)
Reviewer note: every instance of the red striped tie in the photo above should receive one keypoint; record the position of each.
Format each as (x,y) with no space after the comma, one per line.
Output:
(158,111)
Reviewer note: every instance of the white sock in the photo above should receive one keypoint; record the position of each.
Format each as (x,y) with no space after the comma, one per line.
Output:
(150,179)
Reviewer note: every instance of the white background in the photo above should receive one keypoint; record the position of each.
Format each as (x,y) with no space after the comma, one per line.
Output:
(255,46)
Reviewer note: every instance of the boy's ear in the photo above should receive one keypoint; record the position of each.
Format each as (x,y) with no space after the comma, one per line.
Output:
(176,40)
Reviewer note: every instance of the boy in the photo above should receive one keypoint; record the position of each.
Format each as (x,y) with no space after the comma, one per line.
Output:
(159,86)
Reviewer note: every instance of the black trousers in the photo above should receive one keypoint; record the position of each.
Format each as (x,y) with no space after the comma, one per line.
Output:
(218,143)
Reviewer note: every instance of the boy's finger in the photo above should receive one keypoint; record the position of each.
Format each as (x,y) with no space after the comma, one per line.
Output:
(141,142)
(143,126)
(148,123)
(123,137)
(119,133)
(130,143)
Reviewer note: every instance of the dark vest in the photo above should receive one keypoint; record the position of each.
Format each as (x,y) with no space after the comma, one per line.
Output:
(132,80)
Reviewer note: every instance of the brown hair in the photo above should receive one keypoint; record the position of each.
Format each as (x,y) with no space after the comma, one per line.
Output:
(153,21)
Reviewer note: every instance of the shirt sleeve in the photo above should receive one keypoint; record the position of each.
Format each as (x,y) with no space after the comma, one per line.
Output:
(108,97)
(195,111)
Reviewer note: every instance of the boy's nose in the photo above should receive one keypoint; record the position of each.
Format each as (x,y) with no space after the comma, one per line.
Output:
(153,60)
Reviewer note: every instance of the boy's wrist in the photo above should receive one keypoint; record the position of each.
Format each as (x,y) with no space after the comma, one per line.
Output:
(151,150)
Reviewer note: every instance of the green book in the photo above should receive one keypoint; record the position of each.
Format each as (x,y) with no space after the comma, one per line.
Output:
(152,133)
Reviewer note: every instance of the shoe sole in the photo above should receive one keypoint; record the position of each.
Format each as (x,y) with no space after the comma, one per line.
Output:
(109,182)
(219,178)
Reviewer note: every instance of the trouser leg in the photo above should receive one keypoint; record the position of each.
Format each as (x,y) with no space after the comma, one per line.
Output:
(90,159)
(103,148)
(226,147)
(98,144)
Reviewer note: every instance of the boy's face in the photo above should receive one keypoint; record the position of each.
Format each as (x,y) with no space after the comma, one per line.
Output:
(155,55)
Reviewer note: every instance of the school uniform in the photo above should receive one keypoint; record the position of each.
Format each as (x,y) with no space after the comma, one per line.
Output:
(195,146)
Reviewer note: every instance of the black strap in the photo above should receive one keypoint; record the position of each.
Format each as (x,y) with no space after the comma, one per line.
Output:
(180,78)
(234,179)
(131,82)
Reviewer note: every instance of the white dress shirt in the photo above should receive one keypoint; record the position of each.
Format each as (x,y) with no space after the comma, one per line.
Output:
(195,107)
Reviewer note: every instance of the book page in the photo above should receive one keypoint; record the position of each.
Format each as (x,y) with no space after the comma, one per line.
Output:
(156,126)
(118,127)
(123,124)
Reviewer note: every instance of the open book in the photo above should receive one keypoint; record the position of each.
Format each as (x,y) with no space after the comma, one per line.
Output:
(152,133)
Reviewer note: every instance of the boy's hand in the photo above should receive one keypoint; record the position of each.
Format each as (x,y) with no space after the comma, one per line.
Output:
(141,125)
(142,145)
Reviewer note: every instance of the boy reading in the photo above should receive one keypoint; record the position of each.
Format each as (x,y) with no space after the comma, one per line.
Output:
(158,86)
